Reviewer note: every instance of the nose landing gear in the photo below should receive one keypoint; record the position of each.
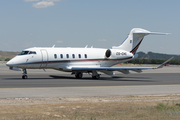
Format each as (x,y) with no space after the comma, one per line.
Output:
(24,76)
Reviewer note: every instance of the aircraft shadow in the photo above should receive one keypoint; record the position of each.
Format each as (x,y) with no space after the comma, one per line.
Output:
(114,78)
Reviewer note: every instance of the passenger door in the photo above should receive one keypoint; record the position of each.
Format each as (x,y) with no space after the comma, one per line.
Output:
(44,58)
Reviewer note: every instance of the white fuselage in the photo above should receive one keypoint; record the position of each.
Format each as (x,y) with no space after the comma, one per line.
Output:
(62,58)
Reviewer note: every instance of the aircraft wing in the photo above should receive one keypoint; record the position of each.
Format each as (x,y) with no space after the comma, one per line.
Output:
(124,70)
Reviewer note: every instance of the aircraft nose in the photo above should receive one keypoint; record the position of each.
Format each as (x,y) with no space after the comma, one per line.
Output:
(9,63)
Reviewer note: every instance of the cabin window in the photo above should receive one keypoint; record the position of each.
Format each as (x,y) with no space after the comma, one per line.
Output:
(55,56)
(73,56)
(85,55)
(79,55)
(67,55)
(61,55)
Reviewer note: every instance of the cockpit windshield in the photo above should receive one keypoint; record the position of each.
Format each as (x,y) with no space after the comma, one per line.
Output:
(23,53)
(27,52)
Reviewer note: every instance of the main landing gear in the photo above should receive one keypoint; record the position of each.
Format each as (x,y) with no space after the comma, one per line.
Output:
(94,74)
(24,76)
(79,75)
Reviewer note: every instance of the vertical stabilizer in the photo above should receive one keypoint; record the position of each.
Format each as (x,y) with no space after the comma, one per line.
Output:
(134,39)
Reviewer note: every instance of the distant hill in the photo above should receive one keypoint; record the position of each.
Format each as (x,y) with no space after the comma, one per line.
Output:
(151,55)
(5,54)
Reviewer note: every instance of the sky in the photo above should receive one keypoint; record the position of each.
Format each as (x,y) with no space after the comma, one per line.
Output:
(97,23)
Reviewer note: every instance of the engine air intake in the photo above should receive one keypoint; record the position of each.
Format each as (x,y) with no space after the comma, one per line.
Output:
(108,53)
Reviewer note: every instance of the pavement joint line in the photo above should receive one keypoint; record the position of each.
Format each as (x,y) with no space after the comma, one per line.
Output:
(91,86)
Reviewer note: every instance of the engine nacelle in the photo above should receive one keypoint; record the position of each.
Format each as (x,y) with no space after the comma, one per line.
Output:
(116,53)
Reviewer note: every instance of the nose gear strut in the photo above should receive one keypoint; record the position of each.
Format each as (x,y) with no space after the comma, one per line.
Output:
(24,76)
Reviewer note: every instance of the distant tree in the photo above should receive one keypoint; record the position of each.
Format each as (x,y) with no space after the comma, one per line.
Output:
(7,59)
(175,62)
(160,56)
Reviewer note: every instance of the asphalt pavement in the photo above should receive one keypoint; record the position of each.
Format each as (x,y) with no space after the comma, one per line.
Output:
(61,84)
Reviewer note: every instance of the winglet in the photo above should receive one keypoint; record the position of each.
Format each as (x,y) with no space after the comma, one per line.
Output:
(160,66)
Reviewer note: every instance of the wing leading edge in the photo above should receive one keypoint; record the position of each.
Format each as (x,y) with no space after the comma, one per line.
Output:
(124,70)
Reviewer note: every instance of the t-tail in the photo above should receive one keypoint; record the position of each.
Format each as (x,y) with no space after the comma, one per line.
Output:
(134,39)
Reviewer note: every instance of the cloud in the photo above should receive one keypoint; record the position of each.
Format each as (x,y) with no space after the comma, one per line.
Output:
(102,40)
(30,0)
(59,41)
(43,3)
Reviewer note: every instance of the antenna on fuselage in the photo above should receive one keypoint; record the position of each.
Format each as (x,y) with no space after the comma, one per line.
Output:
(53,46)
(86,46)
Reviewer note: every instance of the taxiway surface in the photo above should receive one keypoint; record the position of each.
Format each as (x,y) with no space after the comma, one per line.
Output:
(60,84)
(52,78)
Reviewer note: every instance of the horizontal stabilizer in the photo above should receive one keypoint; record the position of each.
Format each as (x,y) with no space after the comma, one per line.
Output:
(142,31)
(152,33)
(158,33)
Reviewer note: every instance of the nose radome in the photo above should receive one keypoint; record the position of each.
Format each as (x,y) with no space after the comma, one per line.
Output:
(9,63)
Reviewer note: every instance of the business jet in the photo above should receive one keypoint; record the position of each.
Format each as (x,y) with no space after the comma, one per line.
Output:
(83,60)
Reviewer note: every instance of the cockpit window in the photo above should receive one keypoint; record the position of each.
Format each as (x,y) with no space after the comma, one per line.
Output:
(32,52)
(27,52)
(24,53)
